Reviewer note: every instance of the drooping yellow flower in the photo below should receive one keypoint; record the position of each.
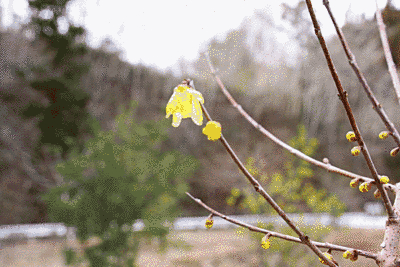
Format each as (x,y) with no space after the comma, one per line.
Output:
(212,130)
(185,103)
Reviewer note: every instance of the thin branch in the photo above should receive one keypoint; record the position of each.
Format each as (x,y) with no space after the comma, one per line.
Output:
(304,238)
(343,97)
(327,166)
(353,63)
(279,235)
(388,54)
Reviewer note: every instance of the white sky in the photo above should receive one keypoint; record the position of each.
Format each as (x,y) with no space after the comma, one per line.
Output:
(158,32)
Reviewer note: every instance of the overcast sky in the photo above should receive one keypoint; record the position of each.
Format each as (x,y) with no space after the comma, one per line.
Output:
(158,33)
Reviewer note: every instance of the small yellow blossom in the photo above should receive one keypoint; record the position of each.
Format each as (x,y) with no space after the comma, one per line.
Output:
(212,130)
(209,223)
(265,242)
(185,103)
(383,135)
(351,136)
(384,179)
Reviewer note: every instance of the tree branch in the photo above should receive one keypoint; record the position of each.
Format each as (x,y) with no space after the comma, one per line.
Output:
(279,235)
(388,54)
(343,97)
(324,165)
(304,238)
(353,63)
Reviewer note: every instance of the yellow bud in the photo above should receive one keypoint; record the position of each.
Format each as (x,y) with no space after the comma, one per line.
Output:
(212,130)
(383,135)
(354,257)
(394,151)
(354,183)
(383,179)
(351,136)
(265,243)
(347,254)
(328,255)
(355,151)
(365,187)
(209,223)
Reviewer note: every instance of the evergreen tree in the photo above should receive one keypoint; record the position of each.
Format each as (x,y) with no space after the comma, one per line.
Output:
(62,117)
(122,176)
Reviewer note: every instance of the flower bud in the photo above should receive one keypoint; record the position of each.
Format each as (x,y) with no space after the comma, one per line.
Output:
(383,179)
(383,135)
(209,221)
(347,254)
(351,136)
(329,256)
(377,193)
(355,151)
(394,151)
(352,255)
(365,187)
(354,183)
(212,130)
(265,242)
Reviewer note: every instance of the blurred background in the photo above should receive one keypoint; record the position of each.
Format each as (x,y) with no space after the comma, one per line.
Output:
(83,135)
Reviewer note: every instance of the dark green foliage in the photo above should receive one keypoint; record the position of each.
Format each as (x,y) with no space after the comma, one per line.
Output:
(70,256)
(64,120)
(122,176)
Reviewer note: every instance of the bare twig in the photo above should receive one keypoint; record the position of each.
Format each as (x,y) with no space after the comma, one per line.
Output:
(388,54)
(279,235)
(297,153)
(353,63)
(304,238)
(343,97)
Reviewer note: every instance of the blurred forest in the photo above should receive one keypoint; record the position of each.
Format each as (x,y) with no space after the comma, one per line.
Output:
(254,66)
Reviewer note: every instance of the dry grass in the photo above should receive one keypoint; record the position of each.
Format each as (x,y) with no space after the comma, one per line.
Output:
(208,248)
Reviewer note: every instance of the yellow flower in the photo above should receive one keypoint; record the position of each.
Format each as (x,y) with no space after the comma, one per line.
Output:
(351,136)
(265,242)
(212,130)
(184,103)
